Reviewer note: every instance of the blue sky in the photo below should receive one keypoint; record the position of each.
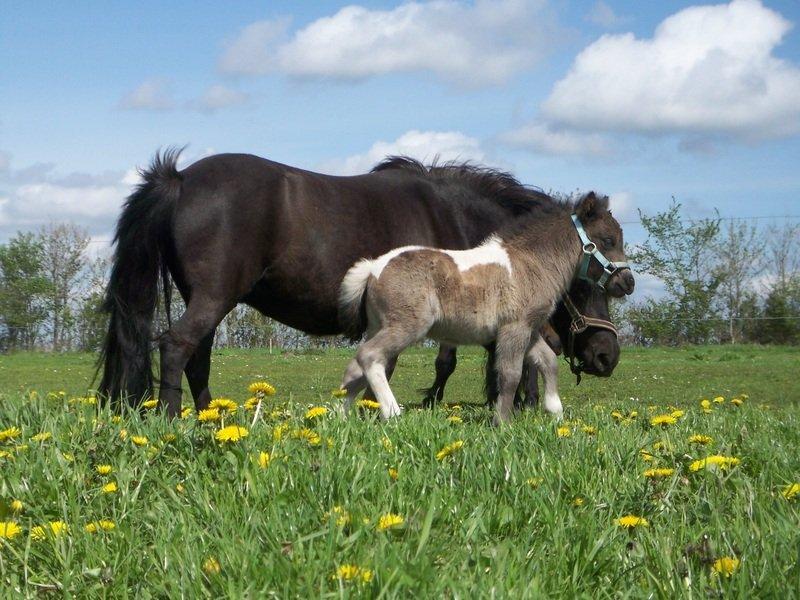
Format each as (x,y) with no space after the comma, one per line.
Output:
(640,100)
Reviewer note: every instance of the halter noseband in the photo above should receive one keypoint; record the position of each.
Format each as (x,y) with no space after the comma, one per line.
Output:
(589,250)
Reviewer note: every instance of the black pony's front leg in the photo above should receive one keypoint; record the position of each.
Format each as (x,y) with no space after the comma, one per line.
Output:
(445,366)
(197,371)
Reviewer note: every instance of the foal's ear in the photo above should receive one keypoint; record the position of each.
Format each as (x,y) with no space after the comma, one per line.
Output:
(591,207)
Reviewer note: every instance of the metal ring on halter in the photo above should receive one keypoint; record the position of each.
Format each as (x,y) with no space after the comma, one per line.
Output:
(590,248)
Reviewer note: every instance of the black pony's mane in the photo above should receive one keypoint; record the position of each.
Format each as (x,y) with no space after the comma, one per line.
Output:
(500,186)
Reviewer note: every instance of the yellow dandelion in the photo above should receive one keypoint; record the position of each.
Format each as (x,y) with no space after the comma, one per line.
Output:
(208,415)
(185,412)
(179,488)
(677,413)
(563,432)
(42,436)
(104,469)
(534,482)
(340,393)
(263,459)
(705,405)
(123,434)
(139,440)
(10,433)
(101,525)
(110,487)
(150,404)
(315,412)
(339,515)
(660,445)
(168,437)
(5,454)
(21,447)
(663,420)
(309,435)
(68,456)
(55,528)
(387,444)
(714,462)
(390,521)
(646,456)
(231,433)
(455,419)
(737,402)
(726,566)
(792,491)
(261,388)
(719,400)
(578,501)
(393,473)
(702,440)
(279,431)
(9,530)
(367,404)
(223,405)
(631,521)
(589,430)
(116,419)
(656,473)
(16,506)
(352,573)
(211,566)
(449,449)
(251,403)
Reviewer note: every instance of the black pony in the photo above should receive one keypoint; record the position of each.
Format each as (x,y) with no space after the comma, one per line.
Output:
(235,228)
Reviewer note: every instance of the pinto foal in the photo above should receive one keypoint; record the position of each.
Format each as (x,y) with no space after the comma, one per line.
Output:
(501,291)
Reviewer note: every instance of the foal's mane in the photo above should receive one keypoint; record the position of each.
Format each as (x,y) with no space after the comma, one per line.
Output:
(498,186)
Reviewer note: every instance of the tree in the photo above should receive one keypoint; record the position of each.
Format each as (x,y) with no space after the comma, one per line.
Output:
(63,259)
(740,255)
(683,257)
(23,290)
(92,322)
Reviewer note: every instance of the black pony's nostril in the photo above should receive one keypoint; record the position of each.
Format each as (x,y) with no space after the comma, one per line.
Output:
(630,282)
(602,361)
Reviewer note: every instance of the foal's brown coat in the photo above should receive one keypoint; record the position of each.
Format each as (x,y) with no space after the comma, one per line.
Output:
(422,292)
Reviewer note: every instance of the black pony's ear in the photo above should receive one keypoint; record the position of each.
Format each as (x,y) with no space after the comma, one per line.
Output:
(591,207)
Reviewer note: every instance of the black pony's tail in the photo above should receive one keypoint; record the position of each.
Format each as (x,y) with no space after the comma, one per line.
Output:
(142,234)
(352,299)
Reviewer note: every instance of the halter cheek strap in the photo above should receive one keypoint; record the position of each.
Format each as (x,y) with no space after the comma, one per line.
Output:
(590,250)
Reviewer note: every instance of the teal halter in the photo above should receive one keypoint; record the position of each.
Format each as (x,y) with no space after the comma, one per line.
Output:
(590,250)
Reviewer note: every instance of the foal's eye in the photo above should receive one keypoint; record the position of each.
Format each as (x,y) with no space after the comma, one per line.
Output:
(608,243)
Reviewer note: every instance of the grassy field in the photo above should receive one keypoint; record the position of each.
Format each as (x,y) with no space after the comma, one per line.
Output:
(327,507)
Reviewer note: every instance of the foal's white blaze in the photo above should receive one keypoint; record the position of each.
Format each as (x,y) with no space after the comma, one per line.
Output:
(490,252)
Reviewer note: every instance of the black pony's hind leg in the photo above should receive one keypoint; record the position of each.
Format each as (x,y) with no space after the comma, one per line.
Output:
(181,341)
(445,366)
(198,369)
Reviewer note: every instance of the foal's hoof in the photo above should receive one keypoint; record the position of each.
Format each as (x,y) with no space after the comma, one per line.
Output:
(499,420)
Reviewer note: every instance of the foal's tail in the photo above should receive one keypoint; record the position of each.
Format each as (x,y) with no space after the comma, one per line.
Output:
(143,229)
(352,299)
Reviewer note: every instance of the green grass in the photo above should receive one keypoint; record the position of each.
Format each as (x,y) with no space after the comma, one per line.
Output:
(497,518)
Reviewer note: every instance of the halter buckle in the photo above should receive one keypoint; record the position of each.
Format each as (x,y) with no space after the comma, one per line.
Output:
(589,248)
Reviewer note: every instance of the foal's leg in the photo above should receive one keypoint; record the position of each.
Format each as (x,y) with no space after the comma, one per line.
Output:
(542,356)
(512,342)
(181,341)
(198,369)
(445,365)
(490,386)
(353,381)
(373,357)
(389,372)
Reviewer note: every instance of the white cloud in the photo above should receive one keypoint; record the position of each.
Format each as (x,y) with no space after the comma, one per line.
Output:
(623,206)
(603,15)
(484,43)
(545,139)
(152,94)
(422,145)
(218,97)
(707,70)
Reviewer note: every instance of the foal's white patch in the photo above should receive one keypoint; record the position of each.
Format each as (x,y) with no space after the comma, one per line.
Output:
(379,264)
(490,252)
